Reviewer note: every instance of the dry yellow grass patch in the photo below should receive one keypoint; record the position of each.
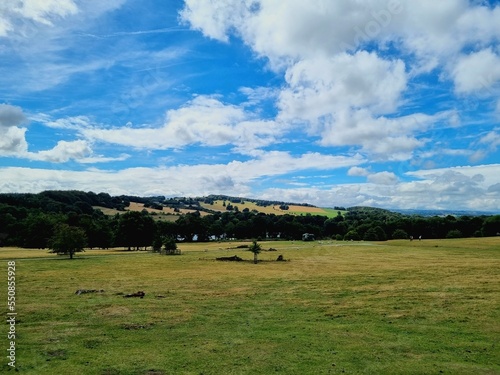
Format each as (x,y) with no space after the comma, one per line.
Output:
(114,311)
(274,209)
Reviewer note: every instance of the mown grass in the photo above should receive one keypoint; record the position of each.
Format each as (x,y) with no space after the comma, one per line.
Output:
(400,307)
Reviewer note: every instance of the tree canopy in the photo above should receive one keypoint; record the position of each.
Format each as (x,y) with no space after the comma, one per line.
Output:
(68,240)
(31,221)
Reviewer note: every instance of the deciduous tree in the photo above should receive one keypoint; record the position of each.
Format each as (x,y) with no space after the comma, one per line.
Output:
(67,240)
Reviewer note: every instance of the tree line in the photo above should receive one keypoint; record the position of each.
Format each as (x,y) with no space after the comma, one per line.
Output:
(32,220)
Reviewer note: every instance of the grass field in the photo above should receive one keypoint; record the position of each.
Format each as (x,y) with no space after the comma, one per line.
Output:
(167,214)
(218,205)
(398,307)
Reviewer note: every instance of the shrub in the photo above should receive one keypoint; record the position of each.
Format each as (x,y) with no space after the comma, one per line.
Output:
(454,233)
(400,234)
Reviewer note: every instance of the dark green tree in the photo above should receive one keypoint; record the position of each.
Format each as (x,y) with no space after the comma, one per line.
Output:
(491,226)
(454,233)
(135,229)
(400,234)
(170,246)
(67,240)
(352,235)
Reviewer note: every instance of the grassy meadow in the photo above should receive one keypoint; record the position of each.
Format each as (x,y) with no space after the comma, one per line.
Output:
(218,205)
(396,307)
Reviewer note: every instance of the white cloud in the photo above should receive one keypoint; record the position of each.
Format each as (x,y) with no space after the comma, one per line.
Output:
(12,136)
(322,86)
(73,122)
(492,139)
(204,120)
(464,188)
(11,115)
(382,137)
(358,171)
(63,152)
(12,141)
(351,98)
(231,178)
(477,71)
(293,30)
(490,174)
(382,178)
(15,14)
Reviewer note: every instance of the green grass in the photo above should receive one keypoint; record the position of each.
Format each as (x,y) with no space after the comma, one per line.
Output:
(400,307)
(328,212)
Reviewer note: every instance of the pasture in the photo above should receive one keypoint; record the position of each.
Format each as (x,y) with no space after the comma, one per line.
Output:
(396,307)
(218,205)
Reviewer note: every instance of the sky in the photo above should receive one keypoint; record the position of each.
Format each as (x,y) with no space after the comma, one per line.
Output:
(384,103)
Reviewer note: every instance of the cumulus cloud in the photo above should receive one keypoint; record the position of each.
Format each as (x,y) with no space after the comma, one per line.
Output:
(381,137)
(383,178)
(204,120)
(13,140)
(477,71)
(341,92)
(11,115)
(484,175)
(318,87)
(63,152)
(12,136)
(358,171)
(294,30)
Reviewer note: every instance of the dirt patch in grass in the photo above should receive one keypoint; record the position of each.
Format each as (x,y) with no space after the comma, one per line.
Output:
(57,354)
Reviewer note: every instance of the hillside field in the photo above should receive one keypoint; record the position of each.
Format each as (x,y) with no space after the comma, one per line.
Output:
(293,209)
(396,307)
(166,214)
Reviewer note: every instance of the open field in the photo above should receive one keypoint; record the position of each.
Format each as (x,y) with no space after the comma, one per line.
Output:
(293,209)
(397,307)
(167,214)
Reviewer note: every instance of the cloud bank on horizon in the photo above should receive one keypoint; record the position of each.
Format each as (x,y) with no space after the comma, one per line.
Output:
(384,103)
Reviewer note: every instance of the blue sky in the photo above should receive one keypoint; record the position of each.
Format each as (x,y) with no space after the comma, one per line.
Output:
(383,103)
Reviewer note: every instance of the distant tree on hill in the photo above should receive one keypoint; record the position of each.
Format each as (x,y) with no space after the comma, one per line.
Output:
(67,240)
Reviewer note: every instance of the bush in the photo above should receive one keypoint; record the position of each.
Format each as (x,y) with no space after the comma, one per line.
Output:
(352,235)
(400,234)
(454,233)
(170,247)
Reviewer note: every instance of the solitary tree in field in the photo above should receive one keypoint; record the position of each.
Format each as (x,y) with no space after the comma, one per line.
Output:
(170,246)
(255,248)
(67,240)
